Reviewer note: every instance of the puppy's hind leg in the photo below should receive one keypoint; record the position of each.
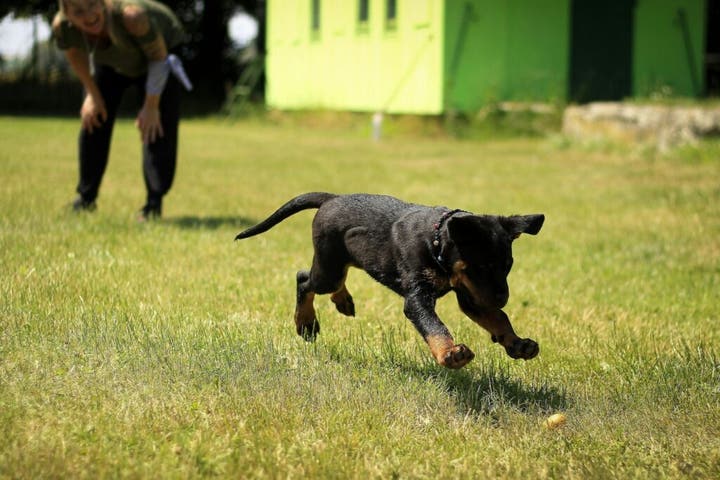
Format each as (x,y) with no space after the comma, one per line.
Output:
(306,323)
(321,279)
(327,275)
(342,299)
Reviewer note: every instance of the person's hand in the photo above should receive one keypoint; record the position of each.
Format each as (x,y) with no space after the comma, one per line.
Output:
(148,122)
(92,113)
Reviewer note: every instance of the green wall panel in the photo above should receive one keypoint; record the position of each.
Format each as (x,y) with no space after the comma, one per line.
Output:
(669,47)
(510,50)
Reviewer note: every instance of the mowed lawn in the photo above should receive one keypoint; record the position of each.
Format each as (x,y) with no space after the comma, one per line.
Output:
(167,350)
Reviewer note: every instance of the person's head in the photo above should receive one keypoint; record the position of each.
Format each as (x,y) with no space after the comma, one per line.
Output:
(87,15)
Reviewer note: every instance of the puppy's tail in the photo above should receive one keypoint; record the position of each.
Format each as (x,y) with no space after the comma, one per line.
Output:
(297,204)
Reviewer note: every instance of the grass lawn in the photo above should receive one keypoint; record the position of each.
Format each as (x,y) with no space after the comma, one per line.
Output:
(167,350)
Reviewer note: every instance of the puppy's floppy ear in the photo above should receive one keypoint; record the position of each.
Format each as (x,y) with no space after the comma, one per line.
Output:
(517,224)
(468,230)
(471,232)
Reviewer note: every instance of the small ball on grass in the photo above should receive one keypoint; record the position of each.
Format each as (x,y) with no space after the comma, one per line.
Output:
(556,420)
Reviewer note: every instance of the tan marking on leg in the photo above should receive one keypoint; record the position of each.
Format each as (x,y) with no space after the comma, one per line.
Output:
(498,324)
(340,296)
(305,313)
(448,354)
(439,346)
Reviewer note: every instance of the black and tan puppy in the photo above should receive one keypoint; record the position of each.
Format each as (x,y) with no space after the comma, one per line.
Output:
(420,253)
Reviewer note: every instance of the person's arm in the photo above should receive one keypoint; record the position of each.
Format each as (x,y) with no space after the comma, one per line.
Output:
(152,43)
(92,112)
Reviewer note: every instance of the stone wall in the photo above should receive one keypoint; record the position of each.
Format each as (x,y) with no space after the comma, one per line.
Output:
(664,126)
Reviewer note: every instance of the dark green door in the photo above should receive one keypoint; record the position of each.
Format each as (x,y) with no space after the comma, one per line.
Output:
(601,39)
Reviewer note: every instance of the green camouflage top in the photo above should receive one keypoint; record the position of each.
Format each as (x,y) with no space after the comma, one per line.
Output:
(123,53)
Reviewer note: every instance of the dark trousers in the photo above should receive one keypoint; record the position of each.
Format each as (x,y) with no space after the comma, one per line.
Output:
(159,157)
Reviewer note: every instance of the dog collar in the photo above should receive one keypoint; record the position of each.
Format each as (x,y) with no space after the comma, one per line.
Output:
(436,242)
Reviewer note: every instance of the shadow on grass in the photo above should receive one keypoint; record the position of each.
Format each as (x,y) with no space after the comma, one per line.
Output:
(483,387)
(492,388)
(210,223)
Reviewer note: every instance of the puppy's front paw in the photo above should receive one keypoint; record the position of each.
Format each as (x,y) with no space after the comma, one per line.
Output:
(524,348)
(457,357)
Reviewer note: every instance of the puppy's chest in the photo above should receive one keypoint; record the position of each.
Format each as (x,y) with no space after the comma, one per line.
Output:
(439,281)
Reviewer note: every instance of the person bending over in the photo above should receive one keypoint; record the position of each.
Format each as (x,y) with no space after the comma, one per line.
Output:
(112,45)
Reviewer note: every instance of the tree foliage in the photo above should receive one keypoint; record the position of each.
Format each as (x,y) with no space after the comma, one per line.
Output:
(209,61)
(22,8)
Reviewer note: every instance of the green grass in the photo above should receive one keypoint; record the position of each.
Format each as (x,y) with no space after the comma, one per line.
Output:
(168,350)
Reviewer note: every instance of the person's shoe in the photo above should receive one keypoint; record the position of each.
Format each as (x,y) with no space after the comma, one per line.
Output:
(151,211)
(81,205)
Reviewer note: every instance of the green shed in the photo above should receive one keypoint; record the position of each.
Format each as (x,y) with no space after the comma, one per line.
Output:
(435,56)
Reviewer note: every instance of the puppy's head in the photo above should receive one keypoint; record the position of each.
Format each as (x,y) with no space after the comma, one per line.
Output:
(484,254)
